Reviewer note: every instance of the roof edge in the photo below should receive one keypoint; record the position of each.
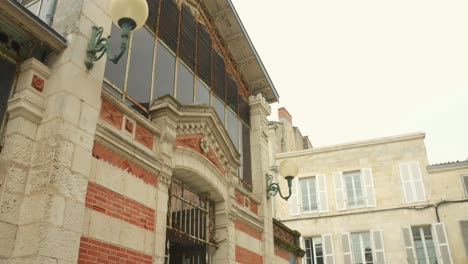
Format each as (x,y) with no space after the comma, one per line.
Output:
(356,144)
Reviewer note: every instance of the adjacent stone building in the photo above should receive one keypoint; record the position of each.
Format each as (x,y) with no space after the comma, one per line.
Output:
(160,158)
(374,201)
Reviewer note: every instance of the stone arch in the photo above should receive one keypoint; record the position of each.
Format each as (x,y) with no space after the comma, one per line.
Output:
(200,174)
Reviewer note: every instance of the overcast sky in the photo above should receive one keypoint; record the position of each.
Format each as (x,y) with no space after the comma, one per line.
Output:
(354,70)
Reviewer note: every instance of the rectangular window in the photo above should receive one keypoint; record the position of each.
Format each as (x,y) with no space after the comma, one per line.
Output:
(184,84)
(141,67)
(314,250)
(308,194)
(412,182)
(354,189)
(424,245)
(164,75)
(361,248)
(465,183)
(7,76)
(464,232)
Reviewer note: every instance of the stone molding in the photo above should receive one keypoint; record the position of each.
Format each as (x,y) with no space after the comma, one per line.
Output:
(29,101)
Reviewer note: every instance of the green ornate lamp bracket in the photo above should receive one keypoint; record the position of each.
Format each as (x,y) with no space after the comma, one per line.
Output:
(273,188)
(99,45)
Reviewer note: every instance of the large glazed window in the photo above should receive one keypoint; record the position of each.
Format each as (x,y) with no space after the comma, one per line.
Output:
(179,53)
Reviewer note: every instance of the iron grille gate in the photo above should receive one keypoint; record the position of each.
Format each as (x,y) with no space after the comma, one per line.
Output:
(190,226)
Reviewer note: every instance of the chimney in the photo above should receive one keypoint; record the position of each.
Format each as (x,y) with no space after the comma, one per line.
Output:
(283,114)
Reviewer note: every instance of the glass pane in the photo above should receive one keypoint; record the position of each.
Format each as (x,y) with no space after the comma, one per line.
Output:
(350,190)
(219,107)
(247,172)
(356,247)
(232,127)
(305,195)
(164,72)
(7,75)
(141,67)
(203,93)
(115,73)
(184,85)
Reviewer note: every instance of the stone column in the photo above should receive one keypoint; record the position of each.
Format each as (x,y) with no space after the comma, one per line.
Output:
(162,197)
(50,132)
(259,110)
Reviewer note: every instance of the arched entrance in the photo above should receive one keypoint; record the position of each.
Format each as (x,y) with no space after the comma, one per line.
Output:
(190,230)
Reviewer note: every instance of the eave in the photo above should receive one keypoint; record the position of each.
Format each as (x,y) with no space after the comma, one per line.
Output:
(27,28)
(241,48)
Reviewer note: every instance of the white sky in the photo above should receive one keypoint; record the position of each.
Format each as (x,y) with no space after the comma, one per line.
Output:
(353,70)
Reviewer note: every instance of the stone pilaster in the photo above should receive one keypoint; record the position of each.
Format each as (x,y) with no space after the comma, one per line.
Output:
(162,196)
(259,110)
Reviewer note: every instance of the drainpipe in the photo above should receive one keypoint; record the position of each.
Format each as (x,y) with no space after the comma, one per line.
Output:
(48,11)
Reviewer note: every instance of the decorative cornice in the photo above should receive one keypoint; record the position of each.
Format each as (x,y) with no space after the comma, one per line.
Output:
(352,145)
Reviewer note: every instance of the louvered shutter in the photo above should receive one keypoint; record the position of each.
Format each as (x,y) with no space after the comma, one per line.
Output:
(169,23)
(188,35)
(440,236)
(153,12)
(409,248)
(322,193)
(204,50)
(420,193)
(406,182)
(232,94)
(328,249)
(219,76)
(339,191)
(293,201)
(378,246)
(369,187)
(346,244)
(244,110)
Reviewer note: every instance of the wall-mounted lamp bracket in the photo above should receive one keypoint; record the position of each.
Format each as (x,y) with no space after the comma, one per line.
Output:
(99,45)
(273,188)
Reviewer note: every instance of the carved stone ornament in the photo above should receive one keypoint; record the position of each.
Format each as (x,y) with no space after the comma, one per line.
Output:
(204,145)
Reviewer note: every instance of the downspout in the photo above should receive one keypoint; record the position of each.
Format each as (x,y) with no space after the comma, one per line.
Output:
(48,11)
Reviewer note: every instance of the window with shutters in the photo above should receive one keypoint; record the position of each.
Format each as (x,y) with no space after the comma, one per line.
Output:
(362,248)
(412,182)
(309,195)
(314,250)
(465,183)
(424,245)
(354,189)
(318,250)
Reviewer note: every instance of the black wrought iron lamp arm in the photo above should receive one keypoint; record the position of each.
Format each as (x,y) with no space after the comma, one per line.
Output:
(274,188)
(99,45)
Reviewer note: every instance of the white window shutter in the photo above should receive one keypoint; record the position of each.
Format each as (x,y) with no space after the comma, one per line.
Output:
(409,247)
(322,193)
(378,246)
(294,199)
(339,191)
(369,187)
(328,249)
(419,191)
(406,182)
(440,236)
(346,243)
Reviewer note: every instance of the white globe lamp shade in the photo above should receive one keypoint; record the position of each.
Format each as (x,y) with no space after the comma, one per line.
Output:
(288,168)
(135,10)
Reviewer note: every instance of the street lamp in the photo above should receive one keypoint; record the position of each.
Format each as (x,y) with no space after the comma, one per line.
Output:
(288,169)
(129,15)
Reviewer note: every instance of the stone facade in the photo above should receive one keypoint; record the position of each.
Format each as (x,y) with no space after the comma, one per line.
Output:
(84,178)
(328,208)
